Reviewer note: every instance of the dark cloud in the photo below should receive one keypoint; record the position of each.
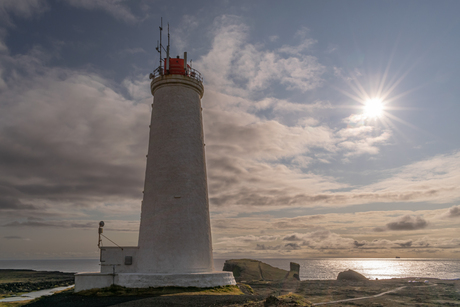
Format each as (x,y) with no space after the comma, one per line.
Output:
(33,224)
(357,244)
(119,226)
(408,222)
(12,203)
(78,143)
(293,237)
(51,224)
(266,247)
(23,9)
(405,244)
(292,246)
(13,238)
(454,212)
(232,224)
(320,234)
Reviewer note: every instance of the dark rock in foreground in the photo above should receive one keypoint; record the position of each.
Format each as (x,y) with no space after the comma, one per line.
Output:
(248,269)
(351,275)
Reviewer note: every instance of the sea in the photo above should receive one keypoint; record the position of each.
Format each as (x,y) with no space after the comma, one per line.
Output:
(310,269)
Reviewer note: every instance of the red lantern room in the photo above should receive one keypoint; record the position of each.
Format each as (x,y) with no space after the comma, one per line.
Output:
(176,66)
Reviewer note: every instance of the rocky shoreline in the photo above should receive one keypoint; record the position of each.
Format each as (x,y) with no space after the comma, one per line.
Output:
(20,287)
(14,282)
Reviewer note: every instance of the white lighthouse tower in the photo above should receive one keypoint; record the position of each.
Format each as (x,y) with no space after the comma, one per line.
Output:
(175,247)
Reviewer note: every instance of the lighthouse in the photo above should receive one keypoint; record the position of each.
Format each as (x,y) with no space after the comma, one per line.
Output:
(175,232)
(175,246)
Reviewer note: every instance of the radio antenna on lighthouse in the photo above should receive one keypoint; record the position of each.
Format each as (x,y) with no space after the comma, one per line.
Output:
(167,53)
(160,47)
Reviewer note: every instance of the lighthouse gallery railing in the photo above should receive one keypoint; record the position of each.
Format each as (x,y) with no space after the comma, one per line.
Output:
(190,72)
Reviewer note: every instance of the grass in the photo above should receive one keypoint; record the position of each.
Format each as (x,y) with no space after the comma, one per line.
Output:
(294,298)
(115,290)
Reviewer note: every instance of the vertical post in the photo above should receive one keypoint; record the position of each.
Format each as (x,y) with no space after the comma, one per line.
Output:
(100,231)
(185,63)
(167,54)
(161,46)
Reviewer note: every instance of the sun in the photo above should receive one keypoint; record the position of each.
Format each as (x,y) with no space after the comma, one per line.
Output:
(373,108)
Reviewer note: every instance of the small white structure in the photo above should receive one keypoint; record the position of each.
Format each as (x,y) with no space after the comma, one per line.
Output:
(175,247)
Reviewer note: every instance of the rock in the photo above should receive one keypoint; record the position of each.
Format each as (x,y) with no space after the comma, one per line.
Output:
(351,275)
(295,269)
(250,270)
(271,301)
(288,300)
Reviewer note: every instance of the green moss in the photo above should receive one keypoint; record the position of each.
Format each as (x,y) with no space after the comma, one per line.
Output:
(246,288)
(295,298)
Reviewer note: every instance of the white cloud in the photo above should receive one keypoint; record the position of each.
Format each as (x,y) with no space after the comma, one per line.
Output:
(237,67)
(431,180)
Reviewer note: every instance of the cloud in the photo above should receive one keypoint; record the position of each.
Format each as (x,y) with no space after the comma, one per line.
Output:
(23,9)
(111,225)
(243,240)
(353,240)
(358,141)
(267,247)
(236,66)
(88,150)
(433,180)
(13,203)
(405,244)
(293,237)
(116,8)
(305,43)
(292,246)
(406,222)
(31,223)
(454,212)
(14,238)
(128,52)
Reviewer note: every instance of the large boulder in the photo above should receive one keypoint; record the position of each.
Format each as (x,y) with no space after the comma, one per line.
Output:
(351,275)
(249,270)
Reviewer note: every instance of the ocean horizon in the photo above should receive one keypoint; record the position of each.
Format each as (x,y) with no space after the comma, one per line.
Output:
(310,269)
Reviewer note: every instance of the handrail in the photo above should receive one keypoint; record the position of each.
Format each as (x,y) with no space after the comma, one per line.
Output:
(190,72)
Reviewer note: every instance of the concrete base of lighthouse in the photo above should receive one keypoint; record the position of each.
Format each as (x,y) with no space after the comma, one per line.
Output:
(86,281)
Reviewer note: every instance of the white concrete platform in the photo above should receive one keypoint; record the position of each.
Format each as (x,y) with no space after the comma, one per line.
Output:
(85,281)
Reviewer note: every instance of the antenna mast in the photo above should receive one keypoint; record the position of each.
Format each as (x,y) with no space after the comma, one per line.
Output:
(167,53)
(160,46)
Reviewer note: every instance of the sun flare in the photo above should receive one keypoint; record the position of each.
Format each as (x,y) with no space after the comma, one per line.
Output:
(373,108)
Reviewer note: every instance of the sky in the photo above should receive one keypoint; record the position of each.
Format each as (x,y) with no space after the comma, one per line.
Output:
(331,127)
